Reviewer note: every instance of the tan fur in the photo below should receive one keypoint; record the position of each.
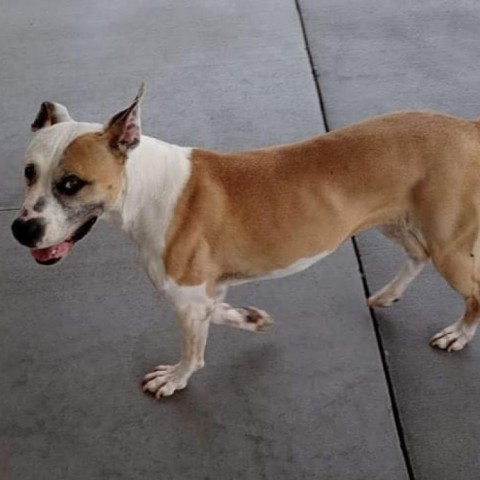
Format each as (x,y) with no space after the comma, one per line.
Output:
(244,214)
(90,158)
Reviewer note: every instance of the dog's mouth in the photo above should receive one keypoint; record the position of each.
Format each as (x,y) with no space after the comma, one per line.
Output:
(53,254)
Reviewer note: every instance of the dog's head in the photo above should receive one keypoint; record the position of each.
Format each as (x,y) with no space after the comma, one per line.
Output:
(74,173)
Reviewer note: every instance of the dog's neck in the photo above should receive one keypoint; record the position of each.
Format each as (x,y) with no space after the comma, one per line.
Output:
(155,175)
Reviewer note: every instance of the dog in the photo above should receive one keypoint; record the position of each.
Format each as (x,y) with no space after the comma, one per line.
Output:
(204,220)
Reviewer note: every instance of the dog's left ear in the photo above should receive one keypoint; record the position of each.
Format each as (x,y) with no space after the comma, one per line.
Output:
(49,114)
(124,128)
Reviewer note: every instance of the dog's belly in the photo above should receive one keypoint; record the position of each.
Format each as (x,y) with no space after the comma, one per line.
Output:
(295,267)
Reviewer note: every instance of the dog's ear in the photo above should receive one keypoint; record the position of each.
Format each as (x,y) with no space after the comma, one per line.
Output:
(49,114)
(124,129)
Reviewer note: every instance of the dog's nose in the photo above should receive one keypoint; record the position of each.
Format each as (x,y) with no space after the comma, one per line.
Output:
(28,232)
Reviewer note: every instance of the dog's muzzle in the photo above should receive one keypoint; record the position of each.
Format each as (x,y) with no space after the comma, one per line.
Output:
(28,232)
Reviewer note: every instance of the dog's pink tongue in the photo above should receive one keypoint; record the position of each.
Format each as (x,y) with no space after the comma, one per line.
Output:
(56,251)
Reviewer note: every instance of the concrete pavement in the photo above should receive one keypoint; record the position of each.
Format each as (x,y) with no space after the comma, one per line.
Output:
(329,392)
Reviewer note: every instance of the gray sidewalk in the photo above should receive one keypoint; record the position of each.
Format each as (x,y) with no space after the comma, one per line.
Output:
(371,58)
(329,392)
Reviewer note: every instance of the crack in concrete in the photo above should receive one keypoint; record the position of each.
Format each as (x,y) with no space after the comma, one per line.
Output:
(376,327)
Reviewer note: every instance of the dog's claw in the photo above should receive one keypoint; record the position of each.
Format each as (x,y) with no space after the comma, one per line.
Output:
(166,379)
(453,338)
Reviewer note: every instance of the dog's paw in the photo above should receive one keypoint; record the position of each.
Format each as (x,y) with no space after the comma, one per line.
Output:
(453,338)
(246,318)
(166,379)
(255,319)
(383,298)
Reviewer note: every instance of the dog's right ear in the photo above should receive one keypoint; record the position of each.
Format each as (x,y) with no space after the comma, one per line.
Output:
(49,114)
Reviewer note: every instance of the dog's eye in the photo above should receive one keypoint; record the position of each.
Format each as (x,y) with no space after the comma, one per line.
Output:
(30,173)
(70,185)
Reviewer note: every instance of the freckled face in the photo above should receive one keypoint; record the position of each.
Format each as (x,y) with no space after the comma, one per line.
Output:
(69,193)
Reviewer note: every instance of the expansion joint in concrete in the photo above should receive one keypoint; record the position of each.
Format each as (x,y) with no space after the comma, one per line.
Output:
(375,323)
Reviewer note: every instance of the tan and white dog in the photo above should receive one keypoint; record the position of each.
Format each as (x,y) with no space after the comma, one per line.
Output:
(204,220)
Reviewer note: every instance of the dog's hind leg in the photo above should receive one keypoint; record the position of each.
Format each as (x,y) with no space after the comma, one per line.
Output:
(245,318)
(417,257)
(461,269)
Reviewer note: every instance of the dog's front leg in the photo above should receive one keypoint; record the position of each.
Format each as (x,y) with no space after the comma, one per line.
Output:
(193,319)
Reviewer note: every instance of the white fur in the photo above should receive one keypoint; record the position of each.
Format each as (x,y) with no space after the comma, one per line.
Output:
(295,267)
(45,152)
(156,173)
(155,176)
(225,314)
(192,298)
(455,336)
(48,144)
(193,309)
(61,113)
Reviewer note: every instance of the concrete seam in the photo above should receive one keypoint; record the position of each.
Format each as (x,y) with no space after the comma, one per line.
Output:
(376,327)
